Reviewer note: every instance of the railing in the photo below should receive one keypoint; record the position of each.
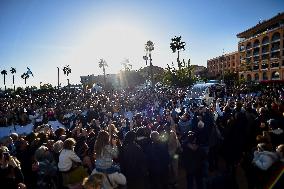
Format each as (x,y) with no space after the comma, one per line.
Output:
(275,49)
(264,66)
(275,40)
(265,43)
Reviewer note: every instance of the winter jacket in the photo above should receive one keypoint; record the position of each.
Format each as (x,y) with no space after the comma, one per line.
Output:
(264,159)
(105,159)
(113,180)
(66,159)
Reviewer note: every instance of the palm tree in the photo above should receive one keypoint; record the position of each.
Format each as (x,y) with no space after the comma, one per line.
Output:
(177,45)
(126,65)
(103,64)
(13,71)
(25,76)
(67,71)
(149,47)
(4,73)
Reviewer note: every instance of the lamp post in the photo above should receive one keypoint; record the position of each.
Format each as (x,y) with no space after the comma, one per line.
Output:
(58,77)
(223,59)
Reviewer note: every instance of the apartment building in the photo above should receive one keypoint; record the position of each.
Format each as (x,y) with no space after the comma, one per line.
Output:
(260,54)
(226,63)
(261,50)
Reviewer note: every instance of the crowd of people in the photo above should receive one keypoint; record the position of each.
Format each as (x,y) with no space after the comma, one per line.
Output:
(143,139)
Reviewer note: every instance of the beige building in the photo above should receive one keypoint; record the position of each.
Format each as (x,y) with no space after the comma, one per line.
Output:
(226,63)
(261,50)
(260,54)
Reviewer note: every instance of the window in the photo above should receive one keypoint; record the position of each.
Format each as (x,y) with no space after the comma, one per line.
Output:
(256,43)
(265,40)
(275,36)
(248,45)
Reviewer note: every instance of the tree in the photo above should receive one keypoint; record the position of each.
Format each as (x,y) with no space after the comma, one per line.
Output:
(103,64)
(149,47)
(183,76)
(25,76)
(177,45)
(125,73)
(126,65)
(13,71)
(67,71)
(4,73)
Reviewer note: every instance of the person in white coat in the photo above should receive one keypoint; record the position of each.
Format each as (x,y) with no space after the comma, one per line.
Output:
(263,158)
(109,181)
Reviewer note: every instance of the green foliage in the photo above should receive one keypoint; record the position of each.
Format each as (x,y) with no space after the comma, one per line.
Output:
(230,78)
(181,77)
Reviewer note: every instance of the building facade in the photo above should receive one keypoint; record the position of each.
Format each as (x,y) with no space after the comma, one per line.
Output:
(260,54)
(223,64)
(261,51)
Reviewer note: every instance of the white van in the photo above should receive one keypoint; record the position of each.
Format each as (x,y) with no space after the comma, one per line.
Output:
(207,92)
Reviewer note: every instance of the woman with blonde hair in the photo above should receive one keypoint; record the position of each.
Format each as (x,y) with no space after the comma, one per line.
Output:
(105,152)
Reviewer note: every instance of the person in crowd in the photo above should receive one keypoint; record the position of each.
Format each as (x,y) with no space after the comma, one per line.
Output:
(105,151)
(133,163)
(262,161)
(10,172)
(69,164)
(158,162)
(46,169)
(193,159)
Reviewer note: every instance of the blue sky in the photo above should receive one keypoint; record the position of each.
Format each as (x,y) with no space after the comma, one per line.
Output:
(46,34)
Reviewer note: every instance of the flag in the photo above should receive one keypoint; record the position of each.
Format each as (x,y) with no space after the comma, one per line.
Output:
(29,71)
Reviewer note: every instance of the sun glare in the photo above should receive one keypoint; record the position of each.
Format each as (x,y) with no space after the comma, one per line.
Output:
(113,41)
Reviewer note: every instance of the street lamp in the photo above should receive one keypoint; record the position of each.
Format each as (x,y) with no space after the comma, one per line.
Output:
(222,61)
(58,77)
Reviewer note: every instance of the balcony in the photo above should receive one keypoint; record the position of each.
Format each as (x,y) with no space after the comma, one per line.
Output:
(275,49)
(264,66)
(265,43)
(265,52)
(265,56)
(275,40)
(256,54)
(274,65)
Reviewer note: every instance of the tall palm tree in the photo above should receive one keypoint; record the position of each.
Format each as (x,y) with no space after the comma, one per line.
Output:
(103,64)
(25,76)
(126,65)
(4,73)
(13,71)
(177,45)
(149,47)
(67,71)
